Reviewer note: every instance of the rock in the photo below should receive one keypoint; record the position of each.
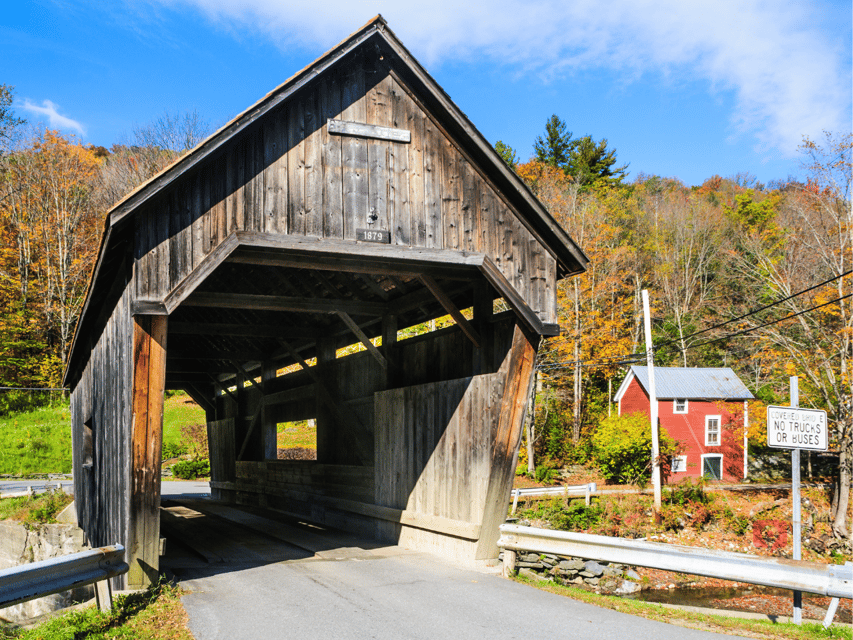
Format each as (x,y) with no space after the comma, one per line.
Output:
(577,580)
(68,515)
(633,575)
(532,575)
(611,572)
(529,565)
(591,566)
(571,565)
(529,557)
(627,587)
(592,581)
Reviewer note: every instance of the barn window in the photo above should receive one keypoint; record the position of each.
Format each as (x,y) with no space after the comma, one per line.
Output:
(679,405)
(712,466)
(712,431)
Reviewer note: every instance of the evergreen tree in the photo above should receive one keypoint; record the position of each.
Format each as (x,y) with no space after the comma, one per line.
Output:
(507,153)
(557,145)
(591,164)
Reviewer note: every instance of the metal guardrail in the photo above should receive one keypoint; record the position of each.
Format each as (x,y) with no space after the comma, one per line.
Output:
(835,581)
(579,489)
(37,579)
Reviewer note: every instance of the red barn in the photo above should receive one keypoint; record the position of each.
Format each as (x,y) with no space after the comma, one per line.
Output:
(704,409)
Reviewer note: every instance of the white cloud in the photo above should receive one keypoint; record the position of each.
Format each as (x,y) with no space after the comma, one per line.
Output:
(55,120)
(788,77)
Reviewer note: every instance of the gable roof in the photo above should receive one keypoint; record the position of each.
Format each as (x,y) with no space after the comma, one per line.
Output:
(117,236)
(569,255)
(692,383)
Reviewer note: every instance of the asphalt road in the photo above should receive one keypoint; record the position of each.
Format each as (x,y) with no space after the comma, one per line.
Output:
(262,587)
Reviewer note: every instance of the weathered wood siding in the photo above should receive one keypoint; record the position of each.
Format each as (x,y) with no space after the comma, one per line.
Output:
(288,175)
(102,401)
(434,457)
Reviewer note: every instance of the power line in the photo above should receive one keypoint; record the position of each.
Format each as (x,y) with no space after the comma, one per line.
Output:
(637,357)
(752,313)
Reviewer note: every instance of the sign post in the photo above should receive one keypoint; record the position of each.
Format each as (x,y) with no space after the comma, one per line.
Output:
(794,428)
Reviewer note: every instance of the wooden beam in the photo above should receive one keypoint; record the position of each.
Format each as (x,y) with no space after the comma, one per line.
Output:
(422,297)
(513,298)
(362,130)
(282,303)
(244,330)
(251,379)
(364,339)
(448,305)
(310,252)
(198,275)
(200,399)
(149,383)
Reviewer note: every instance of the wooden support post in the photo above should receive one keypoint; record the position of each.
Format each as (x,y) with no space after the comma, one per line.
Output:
(269,440)
(104,595)
(518,368)
(483,313)
(509,563)
(149,383)
(326,353)
(389,343)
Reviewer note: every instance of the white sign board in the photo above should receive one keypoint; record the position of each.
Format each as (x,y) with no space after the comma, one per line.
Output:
(791,428)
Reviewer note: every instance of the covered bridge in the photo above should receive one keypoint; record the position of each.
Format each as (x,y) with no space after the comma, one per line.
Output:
(352,202)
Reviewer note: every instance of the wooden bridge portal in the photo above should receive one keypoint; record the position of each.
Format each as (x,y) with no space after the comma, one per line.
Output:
(353,202)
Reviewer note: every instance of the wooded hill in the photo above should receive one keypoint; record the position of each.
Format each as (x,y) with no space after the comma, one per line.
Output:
(751,276)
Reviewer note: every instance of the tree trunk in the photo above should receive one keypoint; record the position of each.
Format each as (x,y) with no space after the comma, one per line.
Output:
(841,497)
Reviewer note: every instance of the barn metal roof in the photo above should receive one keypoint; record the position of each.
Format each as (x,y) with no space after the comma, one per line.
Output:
(719,383)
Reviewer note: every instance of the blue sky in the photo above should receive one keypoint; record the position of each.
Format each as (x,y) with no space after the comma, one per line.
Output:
(679,88)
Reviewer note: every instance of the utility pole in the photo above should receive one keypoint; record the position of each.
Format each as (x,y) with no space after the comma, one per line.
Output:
(653,403)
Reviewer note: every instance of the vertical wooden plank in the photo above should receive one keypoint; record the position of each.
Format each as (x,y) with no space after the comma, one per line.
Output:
(176,268)
(354,152)
(140,250)
(470,206)
(488,243)
(332,173)
(415,166)
(296,167)
(275,173)
(432,153)
(551,288)
(197,218)
(399,208)
(221,226)
(378,106)
(450,196)
(149,377)
(207,226)
(313,131)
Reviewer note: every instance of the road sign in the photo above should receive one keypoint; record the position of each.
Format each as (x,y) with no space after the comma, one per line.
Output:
(792,428)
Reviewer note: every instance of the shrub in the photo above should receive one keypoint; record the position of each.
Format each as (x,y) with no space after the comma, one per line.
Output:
(191,469)
(577,517)
(622,448)
(687,491)
(174,450)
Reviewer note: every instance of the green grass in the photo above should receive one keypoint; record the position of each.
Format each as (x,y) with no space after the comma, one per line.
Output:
(40,509)
(36,441)
(765,629)
(39,441)
(179,410)
(155,613)
(296,434)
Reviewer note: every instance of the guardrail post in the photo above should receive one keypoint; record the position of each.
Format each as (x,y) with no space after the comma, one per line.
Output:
(104,595)
(514,500)
(509,563)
